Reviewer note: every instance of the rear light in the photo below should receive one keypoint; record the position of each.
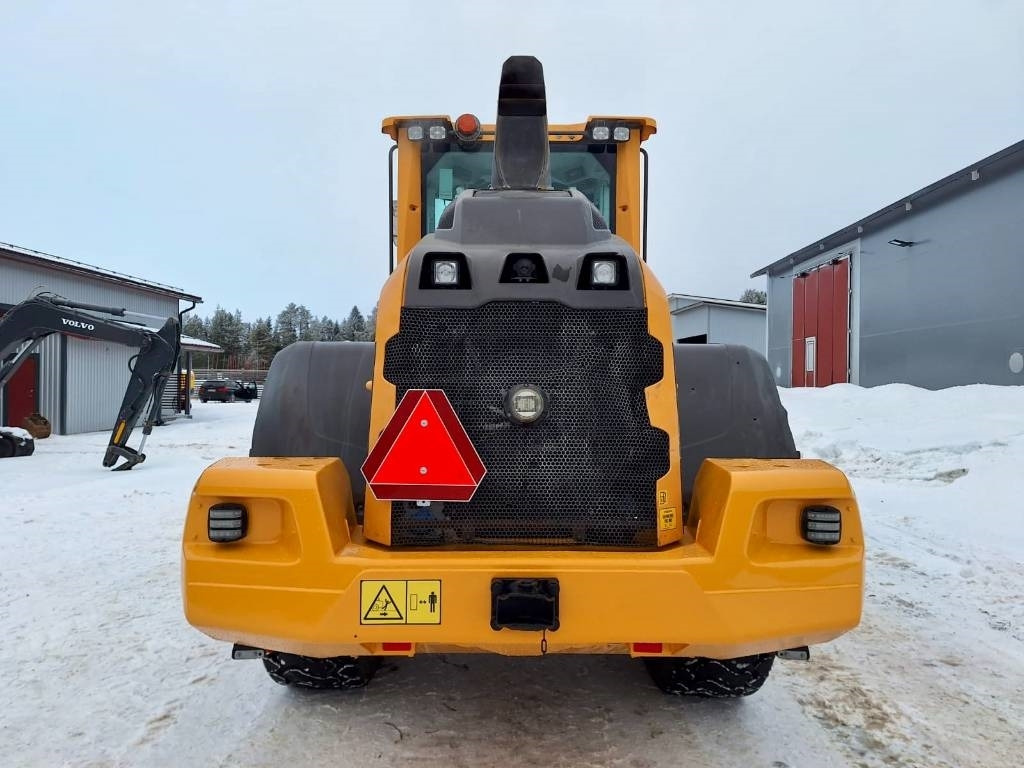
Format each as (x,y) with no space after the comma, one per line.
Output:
(226,523)
(648,647)
(446,273)
(438,133)
(396,646)
(822,525)
(604,272)
(467,127)
(222,389)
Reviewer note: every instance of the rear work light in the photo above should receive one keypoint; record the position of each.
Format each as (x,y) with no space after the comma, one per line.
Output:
(621,133)
(446,272)
(604,272)
(822,525)
(600,133)
(226,523)
(438,133)
(414,132)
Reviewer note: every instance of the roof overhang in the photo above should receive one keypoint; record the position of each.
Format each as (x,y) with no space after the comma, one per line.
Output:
(954,184)
(60,264)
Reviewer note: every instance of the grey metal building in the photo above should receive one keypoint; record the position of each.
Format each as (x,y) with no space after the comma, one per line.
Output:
(76,383)
(703,320)
(927,291)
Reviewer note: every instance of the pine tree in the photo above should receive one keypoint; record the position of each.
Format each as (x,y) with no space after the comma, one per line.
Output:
(754,296)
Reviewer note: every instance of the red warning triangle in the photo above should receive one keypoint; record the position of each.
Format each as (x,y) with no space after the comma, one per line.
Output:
(424,453)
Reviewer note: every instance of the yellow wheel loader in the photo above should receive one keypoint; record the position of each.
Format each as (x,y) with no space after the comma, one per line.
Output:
(523,462)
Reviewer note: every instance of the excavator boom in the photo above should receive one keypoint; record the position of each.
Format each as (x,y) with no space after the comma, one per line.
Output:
(28,323)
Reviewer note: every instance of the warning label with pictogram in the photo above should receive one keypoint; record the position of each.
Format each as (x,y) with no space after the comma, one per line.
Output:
(667,519)
(400,602)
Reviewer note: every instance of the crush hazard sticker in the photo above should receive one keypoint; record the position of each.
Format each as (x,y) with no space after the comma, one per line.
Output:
(667,519)
(400,602)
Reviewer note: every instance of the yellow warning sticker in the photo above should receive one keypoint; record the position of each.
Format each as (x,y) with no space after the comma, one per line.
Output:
(400,602)
(667,519)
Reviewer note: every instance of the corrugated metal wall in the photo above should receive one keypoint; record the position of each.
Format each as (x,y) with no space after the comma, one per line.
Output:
(49,381)
(97,372)
(944,312)
(97,377)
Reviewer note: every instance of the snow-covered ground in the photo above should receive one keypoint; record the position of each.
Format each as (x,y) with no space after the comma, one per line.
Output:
(103,670)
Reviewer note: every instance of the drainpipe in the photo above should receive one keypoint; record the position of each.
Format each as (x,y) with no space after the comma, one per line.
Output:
(188,364)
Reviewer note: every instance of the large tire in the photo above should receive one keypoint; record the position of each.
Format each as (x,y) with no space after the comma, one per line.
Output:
(6,446)
(729,408)
(315,403)
(336,673)
(711,678)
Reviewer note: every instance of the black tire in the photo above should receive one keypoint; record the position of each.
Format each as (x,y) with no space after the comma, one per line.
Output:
(6,447)
(711,678)
(339,673)
(315,403)
(201,400)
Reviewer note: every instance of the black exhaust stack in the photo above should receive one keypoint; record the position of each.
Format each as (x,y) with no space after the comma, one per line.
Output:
(521,153)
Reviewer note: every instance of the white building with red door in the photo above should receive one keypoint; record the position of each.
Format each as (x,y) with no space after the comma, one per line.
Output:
(927,291)
(78,383)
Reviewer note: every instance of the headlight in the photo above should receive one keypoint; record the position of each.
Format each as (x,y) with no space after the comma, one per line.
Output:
(446,272)
(600,133)
(414,132)
(621,133)
(604,272)
(438,133)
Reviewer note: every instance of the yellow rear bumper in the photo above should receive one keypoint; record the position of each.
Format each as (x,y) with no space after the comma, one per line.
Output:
(304,580)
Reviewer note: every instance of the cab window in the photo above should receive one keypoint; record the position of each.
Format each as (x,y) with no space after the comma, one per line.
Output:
(574,165)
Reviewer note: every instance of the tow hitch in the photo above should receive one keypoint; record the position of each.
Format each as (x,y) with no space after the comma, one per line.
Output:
(524,604)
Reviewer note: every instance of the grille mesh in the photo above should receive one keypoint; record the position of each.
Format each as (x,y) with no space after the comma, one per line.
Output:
(585,473)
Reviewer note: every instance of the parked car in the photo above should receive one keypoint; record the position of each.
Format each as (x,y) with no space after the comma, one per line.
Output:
(227,390)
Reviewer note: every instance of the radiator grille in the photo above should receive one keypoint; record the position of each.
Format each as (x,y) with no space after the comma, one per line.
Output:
(585,473)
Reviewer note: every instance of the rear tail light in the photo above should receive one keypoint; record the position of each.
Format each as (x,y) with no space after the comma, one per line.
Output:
(822,525)
(222,389)
(648,648)
(227,522)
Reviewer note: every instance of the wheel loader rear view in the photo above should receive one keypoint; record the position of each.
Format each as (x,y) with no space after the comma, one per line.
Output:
(523,462)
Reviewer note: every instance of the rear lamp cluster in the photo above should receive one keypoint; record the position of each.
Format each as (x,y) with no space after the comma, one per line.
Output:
(606,133)
(467,128)
(821,525)
(434,132)
(227,522)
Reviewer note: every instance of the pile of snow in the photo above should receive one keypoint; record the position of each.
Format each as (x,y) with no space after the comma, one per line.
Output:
(102,668)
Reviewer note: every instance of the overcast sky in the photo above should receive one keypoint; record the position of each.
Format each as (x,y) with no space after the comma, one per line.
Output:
(234,148)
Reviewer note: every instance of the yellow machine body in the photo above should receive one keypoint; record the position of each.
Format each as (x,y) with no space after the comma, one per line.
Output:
(731,574)
(741,581)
